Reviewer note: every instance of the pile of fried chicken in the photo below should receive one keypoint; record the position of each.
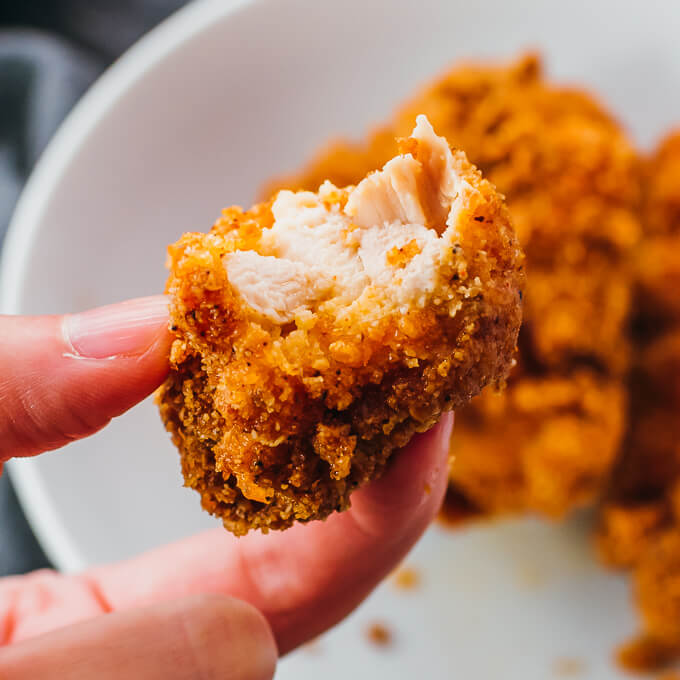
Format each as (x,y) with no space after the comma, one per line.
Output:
(591,413)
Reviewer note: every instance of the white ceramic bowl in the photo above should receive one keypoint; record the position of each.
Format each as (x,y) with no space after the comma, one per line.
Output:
(195,117)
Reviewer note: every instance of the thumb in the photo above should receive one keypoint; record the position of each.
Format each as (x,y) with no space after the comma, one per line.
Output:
(65,377)
(208,636)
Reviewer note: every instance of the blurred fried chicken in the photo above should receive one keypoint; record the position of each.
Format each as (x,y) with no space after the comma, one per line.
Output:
(316,333)
(640,518)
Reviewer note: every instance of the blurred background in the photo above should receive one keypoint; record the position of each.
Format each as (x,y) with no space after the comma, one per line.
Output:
(51,51)
(581,143)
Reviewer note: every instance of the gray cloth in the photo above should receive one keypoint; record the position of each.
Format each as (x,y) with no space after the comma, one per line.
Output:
(50,53)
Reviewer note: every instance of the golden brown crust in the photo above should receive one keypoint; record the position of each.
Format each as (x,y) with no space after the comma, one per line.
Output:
(280,423)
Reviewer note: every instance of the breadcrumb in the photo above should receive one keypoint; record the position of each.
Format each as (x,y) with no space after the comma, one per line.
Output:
(568,667)
(406,578)
(379,635)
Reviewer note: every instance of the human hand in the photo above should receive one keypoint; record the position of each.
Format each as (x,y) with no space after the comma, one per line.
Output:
(174,612)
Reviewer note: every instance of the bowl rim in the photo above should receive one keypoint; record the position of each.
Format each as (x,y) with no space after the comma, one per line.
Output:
(135,64)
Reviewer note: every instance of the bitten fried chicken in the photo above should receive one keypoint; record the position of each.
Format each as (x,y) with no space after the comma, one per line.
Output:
(571,181)
(317,332)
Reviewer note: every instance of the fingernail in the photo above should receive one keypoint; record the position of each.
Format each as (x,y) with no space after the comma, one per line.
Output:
(128,328)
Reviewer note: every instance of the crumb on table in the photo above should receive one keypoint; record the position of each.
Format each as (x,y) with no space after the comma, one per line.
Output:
(406,578)
(568,667)
(379,634)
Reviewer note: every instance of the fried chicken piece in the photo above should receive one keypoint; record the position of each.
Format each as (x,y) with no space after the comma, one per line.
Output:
(658,277)
(627,530)
(316,333)
(544,420)
(572,184)
(658,264)
(639,524)
(571,180)
(657,589)
(656,581)
(650,460)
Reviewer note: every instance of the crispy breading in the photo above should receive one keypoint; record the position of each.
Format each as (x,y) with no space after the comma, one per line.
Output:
(317,332)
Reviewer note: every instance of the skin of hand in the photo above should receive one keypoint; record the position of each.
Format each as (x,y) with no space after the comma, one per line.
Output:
(209,606)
